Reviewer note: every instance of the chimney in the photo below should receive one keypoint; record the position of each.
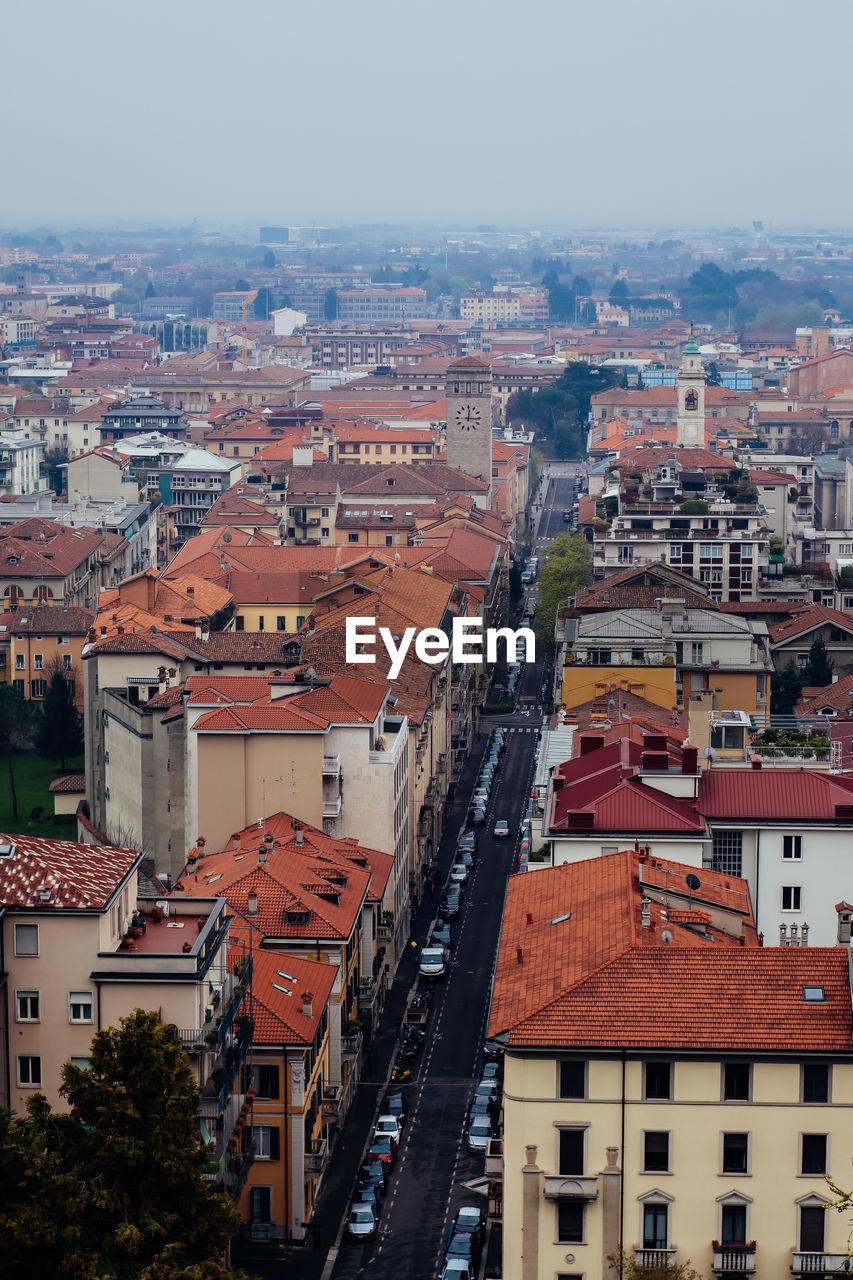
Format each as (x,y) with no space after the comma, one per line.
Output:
(299,836)
(755,761)
(795,941)
(307,998)
(530,917)
(647,913)
(591,742)
(783,935)
(689,760)
(519,955)
(251,903)
(262,854)
(190,591)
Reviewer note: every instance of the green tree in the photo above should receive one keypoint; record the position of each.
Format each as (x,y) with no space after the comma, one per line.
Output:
(51,464)
(820,666)
(626,1267)
(567,567)
(150,291)
(712,375)
(116,1187)
(786,686)
(242,286)
(60,734)
(17,724)
(264,303)
(269,258)
(619,293)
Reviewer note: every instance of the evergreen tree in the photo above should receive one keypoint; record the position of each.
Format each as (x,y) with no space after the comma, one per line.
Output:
(60,735)
(17,720)
(568,566)
(786,685)
(820,666)
(116,1187)
(269,258)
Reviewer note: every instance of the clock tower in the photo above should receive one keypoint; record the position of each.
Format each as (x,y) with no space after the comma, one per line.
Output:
(690,386)
(468,388)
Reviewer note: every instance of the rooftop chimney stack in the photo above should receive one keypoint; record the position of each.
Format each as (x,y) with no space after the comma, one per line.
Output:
(251,903)
(783,935)
(307,1004)
(299,836)
(647,913)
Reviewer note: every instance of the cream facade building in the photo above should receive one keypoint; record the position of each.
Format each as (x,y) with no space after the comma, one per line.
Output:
(673,1090)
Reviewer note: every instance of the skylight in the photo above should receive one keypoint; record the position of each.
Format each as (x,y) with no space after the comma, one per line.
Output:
(278,987)
(288,976)
(561,919)
(813,993)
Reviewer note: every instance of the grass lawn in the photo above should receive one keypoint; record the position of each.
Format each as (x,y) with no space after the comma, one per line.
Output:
(33,776)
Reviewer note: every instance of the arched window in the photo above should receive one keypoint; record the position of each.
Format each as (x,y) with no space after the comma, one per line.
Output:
(15,595)
(42,595)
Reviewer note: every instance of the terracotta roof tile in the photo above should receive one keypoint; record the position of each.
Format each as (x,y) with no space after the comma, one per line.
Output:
(77,875)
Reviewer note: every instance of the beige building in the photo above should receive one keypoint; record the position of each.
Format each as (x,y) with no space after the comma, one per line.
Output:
(75,962)
(673,1089)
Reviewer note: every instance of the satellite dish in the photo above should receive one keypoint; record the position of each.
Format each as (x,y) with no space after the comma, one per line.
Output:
(227,538)
(710,754)
(666,936)
(693,882)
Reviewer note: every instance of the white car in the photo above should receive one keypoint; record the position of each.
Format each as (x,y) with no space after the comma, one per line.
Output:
(361,1223)
(501,831)
(458,873)
(479,1131)
(433,963)
(388,1127)
(457,1269)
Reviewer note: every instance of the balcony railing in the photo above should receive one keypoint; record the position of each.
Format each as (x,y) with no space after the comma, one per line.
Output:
(331,1104)
(559,1185)
(317,1158)
(351,1044)
(733,1258)
(332,807)
(818,1264)
(653,1257)
(331,766)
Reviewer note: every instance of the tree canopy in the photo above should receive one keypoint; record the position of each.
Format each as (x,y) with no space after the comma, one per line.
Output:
(17,724)
(559,412)
(115,1188)
(567,567)
(60,734)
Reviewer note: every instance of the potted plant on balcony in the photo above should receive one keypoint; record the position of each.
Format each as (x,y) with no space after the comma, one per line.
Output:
(188,946)
(211,1037)
(157,914)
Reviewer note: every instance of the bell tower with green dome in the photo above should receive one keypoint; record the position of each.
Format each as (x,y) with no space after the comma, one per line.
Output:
(690,386)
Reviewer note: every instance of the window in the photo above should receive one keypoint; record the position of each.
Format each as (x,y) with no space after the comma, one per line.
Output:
(19,685)
(66,662)
(19,662)
(82,1063)
(696,652)
(79,1006)
(260,1203)
(239,623)
(655,1225)
(300,620)
(572,1079)
(266,1141)
(26,939)
(791,897)
(324,532)
(281,622)
(792,847)
(600,656)
(815,1082)
(813,1153)
(727,855)
(733,1224)
(260,622)
(267,1081)
(658,1079)
(656,1152)
(324,513)
(26,1006)
(38,688)
(735,1152)
(570,1221)
(352,537)
(736,1081)
(812,1223)
(29,1071)
(571,1151)
(38,661)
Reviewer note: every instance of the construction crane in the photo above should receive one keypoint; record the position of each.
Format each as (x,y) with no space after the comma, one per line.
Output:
(247,302)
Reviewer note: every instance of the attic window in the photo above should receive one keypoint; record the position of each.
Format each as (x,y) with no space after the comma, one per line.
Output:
(296,917)
(390,481)
(813,994)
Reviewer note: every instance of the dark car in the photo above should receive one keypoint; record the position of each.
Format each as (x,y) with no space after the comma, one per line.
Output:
(470,1218)
(394,1104)
(450,905)
(384,1150)
(441,935)
(567,515)
(463,1244)
(368,1195)
(478,816)
(373,1174)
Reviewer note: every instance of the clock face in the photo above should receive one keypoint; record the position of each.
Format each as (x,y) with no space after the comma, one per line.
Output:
(468,417)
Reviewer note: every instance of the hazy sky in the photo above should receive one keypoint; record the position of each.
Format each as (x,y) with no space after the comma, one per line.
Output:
(535,112)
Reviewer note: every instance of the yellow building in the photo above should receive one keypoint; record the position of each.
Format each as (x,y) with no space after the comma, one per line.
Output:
(672,1089)
(584,681)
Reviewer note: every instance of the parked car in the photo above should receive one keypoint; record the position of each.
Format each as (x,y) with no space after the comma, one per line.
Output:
(394,1104)
(462,1244)
(567,515)
(479,1131)
(388,1126)
(450,904)
(481,1107)
(491,1071)
(384,1150)
(368,1195)
(468,840)
(487,1089)
(501,830)
(466,858)
(457,1269)
(469,1217)
(478,816)
(441,935)
(373,1174)
(433,963)
(361,1223)
(458,873)
(529,609)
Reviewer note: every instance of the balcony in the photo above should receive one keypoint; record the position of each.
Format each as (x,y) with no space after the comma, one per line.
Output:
(495,1158)
(306,520)
(557,1186)
(654,1257)
(332,807)
(317,1158)
(733,1259)
(819,1264)
(331,1104)
(331,766)
(351,1042)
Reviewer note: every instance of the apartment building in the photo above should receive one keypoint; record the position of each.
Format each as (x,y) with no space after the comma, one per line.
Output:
(20,463)
(381,306)
(43,639)
(43,562)
(665,655)
(507,305)
(697,1128)
(74,964)
(782,827)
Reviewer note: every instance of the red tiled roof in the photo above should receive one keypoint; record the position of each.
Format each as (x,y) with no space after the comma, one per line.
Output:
(809,620)
(71,783)
(76,875)
(838,696)
(278,985)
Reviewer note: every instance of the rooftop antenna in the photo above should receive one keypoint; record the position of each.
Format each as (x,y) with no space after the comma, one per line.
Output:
(693,883)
